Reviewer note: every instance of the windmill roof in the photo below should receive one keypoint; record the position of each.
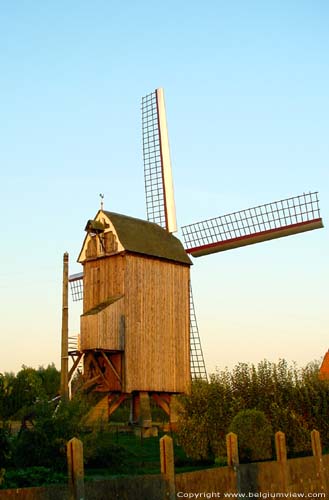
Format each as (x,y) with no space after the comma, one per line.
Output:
(140,236)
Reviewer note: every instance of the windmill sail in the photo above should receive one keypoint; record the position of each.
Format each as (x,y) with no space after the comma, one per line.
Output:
(198,367)
(253,225)
(160,202)
(76,285)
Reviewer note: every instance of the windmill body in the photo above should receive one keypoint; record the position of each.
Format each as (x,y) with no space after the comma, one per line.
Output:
(135,324)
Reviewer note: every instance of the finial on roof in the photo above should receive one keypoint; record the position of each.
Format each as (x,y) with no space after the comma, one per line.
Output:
(101,195)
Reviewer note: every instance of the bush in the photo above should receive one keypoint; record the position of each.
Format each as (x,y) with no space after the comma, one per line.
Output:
(5,446)
(33,476)
(254,435)
(45,443)
(101,452)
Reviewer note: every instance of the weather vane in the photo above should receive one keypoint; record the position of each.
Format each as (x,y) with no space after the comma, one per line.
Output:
(101,195)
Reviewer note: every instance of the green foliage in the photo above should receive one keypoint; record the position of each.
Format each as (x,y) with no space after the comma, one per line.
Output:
(45,443)
(6,387)
(293,400)
(100,450)
(19,393)
(254,435)
(5,446)
(51,379)
(33,476)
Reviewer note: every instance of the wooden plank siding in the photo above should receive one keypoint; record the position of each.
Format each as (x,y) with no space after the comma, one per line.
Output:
(157,348)
(150,323)
(102,278)
(104,329)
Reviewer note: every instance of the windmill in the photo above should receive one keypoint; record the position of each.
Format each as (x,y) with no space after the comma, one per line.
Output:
(123,257)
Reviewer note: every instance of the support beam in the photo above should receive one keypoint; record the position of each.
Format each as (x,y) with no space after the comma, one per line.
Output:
(162,403)
(115,404)
(98,370)
(91,382)
(111,366)
(75,366)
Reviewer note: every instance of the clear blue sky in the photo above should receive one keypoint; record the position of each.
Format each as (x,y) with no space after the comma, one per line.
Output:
(246,87)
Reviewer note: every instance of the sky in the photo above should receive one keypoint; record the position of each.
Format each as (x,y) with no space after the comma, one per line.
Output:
(246,87)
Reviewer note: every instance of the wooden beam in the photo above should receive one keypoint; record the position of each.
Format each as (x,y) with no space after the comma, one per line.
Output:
(160,401)
(89,383)
(115,405)
(75,365)
(110,364)
(98,368)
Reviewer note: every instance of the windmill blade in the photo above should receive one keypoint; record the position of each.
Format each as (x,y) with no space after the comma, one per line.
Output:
(76,285)
(198,367)
(160,201)
(253,225)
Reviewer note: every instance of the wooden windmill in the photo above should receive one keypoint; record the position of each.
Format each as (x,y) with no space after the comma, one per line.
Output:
(139,337)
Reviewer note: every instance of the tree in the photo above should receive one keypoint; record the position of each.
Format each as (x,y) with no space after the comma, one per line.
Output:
(18,394)
(51,379)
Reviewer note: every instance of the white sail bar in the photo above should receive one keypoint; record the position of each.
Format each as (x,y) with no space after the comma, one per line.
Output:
(160,201)
(253,225)
(166,164)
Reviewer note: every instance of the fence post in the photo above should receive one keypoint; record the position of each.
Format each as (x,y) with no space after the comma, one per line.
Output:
(75,469)
(168,464)
(232,451)
(317,454)
(281,457)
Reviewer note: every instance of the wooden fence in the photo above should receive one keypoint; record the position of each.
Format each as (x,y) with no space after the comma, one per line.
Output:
(283,478)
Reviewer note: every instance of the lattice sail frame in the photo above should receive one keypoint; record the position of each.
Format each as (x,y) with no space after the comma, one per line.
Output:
(253,225)
(159,190)
(198,367)
(76,285)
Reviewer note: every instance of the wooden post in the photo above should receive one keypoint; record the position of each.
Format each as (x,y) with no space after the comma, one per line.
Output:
(64,389)
(232,449)
(75,469)
(317,453)
(145,416)
(175,407)
(168,464)
(281,456)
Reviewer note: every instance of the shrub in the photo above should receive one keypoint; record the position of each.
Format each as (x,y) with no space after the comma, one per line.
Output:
(33,476)
(254,435)
(5,446)
(100,451)
(45,443)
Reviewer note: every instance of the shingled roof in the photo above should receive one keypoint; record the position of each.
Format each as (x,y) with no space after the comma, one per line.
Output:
(140,236)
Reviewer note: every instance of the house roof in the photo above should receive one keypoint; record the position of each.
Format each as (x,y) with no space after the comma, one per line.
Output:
(140,236)
(324,368)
